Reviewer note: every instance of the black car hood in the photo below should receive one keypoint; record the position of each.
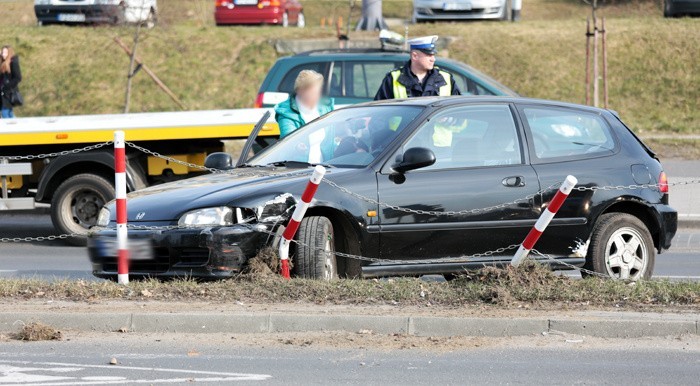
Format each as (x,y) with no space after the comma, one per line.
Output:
(167,202)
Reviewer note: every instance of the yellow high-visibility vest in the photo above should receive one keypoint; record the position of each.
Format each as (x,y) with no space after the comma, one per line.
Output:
(400,91)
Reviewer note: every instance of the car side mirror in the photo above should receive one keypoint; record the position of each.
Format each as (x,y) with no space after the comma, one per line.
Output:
(219,160)
(414,158)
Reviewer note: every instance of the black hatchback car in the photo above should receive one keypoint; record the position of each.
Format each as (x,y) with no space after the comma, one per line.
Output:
(413,185)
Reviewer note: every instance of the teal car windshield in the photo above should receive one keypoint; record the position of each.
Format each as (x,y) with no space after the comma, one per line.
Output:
(349,137)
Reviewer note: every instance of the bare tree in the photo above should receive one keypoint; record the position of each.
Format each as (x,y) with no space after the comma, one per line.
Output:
(372,18)
(132,72)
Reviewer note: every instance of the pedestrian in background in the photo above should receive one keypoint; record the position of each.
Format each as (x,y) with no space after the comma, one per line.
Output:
(304,105)
(10,77)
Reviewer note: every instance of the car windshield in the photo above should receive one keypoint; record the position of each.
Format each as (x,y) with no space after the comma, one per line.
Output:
(349,137)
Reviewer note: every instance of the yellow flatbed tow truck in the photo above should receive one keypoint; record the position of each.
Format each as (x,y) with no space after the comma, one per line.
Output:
(39,164)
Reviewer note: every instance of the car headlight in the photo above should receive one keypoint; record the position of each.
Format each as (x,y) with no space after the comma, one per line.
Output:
(103,217)
(42,2)
(222,215)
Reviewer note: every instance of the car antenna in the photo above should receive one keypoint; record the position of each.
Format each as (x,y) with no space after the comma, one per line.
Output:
(251,139)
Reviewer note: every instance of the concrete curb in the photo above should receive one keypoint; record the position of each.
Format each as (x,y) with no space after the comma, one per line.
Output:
(623,326)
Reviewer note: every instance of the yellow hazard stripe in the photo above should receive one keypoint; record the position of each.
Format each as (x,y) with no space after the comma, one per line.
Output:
(149,134)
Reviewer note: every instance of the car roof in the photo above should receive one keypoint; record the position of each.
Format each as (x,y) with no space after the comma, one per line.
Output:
(476,99)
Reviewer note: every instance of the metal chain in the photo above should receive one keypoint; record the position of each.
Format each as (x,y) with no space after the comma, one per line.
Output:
(173,160)
(581,269)
(634,186)
(439,213)
(40,238)
(459,259)
(57,154)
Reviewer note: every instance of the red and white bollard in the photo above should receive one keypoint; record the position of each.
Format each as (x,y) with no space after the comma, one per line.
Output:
(297,216)
(544,220)
(120,194)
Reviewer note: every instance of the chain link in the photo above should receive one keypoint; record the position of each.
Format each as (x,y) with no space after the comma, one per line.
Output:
(634,186)
(40,238)
(173,160)
(580,269)
(459,259)
(57,154)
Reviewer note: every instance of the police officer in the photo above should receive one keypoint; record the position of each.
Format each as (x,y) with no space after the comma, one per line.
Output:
(419,76)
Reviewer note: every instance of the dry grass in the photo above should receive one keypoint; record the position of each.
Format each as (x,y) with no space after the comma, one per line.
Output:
(531,286)
(265,264)
(37,331)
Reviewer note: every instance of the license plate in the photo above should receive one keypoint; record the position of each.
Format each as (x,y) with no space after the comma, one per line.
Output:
(456,6)
(139,249)
(245,2)
(71,17)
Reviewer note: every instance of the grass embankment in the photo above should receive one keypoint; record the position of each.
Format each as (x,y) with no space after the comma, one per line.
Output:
(531,286)
(654,69)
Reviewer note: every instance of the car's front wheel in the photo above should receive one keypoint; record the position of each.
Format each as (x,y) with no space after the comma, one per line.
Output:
(301,20)
(315,250)
(621,248)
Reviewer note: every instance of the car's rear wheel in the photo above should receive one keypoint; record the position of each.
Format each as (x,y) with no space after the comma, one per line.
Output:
(315,253)
(285,20)
(621,248)
(77,202)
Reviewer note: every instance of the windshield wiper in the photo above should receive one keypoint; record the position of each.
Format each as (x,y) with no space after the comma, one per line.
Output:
(296,164)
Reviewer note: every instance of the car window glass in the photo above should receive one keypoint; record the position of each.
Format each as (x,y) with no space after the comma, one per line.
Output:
(480,90)
(461,82)
(470,136)
(350,137)
(335,81)
(287,84)
(565,133)
(364,78)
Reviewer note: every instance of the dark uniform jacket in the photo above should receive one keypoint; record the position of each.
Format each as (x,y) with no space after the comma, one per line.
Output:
(430,86)
(9,82)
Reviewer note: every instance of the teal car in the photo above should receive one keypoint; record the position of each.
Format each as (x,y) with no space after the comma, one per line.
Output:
(353,76)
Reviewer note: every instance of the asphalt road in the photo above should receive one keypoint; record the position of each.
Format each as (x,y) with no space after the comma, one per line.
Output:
(53,260)
(215,361)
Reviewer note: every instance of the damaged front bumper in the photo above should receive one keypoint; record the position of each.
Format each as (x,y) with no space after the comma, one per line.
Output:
(203,253)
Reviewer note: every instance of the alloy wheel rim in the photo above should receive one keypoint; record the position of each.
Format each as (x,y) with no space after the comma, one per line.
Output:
(301,21)
(626,254)
(285,20)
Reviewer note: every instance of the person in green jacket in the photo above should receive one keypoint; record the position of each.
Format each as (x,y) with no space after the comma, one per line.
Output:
(304,105)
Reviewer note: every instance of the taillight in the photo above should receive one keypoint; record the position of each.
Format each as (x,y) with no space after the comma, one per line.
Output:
(222,3)
(259,100)
(270,3)
(663,183)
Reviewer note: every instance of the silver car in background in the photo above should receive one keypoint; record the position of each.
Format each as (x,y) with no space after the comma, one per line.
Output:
(432,10)
(96,12)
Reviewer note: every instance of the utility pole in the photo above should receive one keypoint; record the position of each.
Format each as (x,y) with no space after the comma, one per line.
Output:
(372,18)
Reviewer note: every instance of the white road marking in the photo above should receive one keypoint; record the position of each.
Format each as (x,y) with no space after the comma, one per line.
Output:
(7,270)
(24,373)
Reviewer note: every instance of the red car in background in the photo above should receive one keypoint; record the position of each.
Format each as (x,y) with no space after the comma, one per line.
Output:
(280,12)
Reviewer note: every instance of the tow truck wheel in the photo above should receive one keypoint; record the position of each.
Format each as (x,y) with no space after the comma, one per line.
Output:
(621,248)
(77,203)
(315,252)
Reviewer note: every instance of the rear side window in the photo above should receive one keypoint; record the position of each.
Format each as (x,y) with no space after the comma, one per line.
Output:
(287,84)
(564,133)
(362,79)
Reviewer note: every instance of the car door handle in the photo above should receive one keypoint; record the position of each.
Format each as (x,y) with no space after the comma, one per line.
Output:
(514,181)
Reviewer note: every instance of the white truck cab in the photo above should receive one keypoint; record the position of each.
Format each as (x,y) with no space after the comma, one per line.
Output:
(96,11)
